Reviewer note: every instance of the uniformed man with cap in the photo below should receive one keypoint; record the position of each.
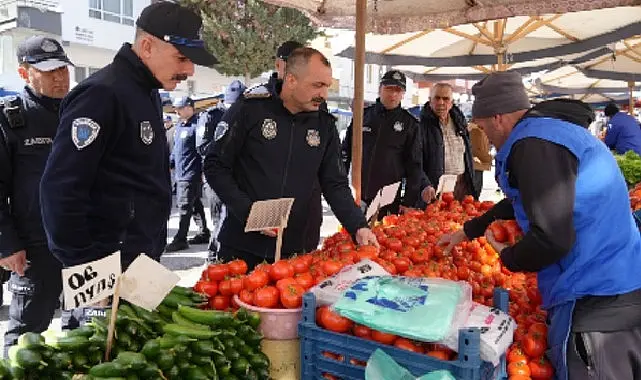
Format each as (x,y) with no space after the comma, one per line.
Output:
(280,63)
(28,124)
(106,186)
(204,137)
(188,172)
(391,145)
(269,147)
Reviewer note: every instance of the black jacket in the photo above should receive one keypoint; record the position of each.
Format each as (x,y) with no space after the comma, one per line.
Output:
(184,157)
(391,151)
(434,149)
(268,153)
(207,122)
(108,189)
(24,150)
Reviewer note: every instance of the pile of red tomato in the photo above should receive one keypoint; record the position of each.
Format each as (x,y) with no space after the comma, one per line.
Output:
(409,247)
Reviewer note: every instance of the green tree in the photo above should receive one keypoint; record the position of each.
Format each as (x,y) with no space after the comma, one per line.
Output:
(244,34)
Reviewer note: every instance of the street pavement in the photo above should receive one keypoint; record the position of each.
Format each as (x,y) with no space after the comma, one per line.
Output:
(189,264)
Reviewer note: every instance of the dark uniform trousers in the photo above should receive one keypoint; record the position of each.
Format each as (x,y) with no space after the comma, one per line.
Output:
(36,295)
(190,204)
(612,355)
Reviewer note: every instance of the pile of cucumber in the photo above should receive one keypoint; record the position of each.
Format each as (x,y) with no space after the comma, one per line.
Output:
(176,341)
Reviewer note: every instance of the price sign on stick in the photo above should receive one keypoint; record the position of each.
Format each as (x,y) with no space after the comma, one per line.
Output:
(446,184)
(89,283)
(146,282)
(269,215)
(383,197)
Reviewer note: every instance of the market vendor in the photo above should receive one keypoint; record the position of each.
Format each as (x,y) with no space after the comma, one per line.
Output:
(622,133)
(269,147)
(567,194)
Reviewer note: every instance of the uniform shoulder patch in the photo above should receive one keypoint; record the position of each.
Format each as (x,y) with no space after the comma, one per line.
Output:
(84,131)
(221,130)
(257,92)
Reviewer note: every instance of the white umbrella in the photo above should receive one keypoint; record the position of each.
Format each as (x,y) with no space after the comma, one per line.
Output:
(617,72)
(400,16)
(515,42)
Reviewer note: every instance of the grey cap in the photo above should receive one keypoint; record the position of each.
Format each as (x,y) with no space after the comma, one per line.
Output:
(499,93)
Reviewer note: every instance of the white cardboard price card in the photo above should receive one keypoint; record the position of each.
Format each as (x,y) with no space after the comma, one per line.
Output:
(383,197)
(91,282)
(446,184)
(272,213)
(146,283)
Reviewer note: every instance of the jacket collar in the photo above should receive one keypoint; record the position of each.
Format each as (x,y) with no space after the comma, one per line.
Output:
(138,71)
(380,108)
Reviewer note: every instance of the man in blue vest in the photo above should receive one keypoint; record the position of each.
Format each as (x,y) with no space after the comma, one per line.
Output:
(623,132)
(564,189)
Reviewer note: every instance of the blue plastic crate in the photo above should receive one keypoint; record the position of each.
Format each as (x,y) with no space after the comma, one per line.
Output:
(315,340)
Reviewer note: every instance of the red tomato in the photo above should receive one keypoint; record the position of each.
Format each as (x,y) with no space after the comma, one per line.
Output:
(281,269)
(237,267)
(217,272)
(306,280)
(420,256)
(541,368)
(383,338)
(224,287)
(219,302)
(538,327)
(498,231)
(518,368)
(292,296)
(402,264)
(331,267)
(265,267)
(362,331)
(516,355)
(246,296)
(285,282)
(406,344)
(257,279)
(237,284)
(300,264)
(447,197)
(394,244)
(266,297)
(210,288)
(367,252)
(534,345)
(334,322)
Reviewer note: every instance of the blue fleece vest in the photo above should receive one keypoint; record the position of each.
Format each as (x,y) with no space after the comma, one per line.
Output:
(606,256)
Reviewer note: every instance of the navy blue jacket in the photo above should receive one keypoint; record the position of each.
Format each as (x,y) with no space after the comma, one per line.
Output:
(264,152)
(623,134)
(185,160)
(23,155)
(106,186)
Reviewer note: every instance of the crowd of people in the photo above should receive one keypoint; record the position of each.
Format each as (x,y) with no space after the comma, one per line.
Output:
(91,171)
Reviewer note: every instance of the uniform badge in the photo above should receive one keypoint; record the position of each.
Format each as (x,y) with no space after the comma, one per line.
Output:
(269,129)
(48,46)
(83,132)
(398,126)
(313,137)
(184,134)
(221,130)
(397,76)
(146,132)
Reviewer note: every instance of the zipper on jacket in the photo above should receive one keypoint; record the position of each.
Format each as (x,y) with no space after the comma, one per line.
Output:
(289,157)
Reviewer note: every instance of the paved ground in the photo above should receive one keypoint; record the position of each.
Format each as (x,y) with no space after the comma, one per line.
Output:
(189,264)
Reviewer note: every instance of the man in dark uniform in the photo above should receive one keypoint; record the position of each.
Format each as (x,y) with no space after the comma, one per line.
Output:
(28,125)
(269,147)
(315,219)
(391,146)
(204,137)
(106,186)
(188,172)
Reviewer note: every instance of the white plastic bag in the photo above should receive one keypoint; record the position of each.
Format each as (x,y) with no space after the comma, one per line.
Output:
(497,332)
(330,290)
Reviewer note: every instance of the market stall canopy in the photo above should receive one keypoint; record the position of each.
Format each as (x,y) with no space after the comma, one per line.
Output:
(402,16)
(515,42)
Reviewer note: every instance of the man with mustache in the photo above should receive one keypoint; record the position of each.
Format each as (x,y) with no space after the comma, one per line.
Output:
(28,125)
(269,147)
(391,146)
(106,186)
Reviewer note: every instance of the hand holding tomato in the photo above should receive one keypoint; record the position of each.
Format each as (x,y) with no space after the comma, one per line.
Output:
(498,247)
(365,236)
(451,240)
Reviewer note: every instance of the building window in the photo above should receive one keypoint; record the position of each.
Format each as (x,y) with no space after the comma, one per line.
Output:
(81,73)
(120,11)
